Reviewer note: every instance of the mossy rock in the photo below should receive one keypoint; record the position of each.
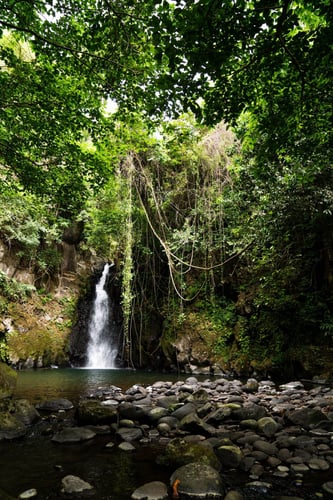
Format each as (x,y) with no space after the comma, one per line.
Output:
(179,452)
(8,379)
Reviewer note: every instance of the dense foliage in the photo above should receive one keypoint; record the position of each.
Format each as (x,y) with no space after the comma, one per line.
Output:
(205,223)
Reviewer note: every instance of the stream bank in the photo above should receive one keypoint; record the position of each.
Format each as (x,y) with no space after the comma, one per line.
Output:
(264,441)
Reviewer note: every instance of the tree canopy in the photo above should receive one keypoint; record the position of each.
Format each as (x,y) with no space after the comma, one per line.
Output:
(145,176)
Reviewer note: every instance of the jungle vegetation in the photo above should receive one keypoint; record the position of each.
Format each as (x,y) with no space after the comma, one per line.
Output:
(194,140)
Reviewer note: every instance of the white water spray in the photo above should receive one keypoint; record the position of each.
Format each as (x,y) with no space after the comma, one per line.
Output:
(101,351)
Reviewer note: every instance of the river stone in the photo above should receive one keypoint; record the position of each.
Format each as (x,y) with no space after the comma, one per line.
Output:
(180,452)
(306,417)
(251,385)
(133,412)
(73,484)
(25,412)
(73,435)
(192,423)
(318,464)
(328,487)
(55,405)
(249,411)
(157,413)
(11,427)
(198,481)
(265,447)
(229,456)
(32,492)
(172,422)
(125,446)
(94,412)
(184,410)
(167,401)
(129,434)
(268,426)
(218,415)
(155,490)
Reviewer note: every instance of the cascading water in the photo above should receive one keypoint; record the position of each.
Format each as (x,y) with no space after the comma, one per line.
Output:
(101,351)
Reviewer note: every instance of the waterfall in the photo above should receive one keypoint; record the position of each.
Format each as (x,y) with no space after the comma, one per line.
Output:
(101,350)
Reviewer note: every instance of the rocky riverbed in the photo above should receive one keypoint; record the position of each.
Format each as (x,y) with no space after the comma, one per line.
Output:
(220,438)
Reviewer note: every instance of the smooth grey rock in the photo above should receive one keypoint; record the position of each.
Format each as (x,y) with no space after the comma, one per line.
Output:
(125,446)
(73,435)
(155,490)
(249,411)
(157,413)
(198,481)
(328,487)
(31,493)
(129,434)
(265,447)
(184,410)
(133,412)
(73,484)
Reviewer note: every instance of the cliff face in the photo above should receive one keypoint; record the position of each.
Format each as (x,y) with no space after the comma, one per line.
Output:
(37,311)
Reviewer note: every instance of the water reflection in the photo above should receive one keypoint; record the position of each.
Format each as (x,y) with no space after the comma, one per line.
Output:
(72,383)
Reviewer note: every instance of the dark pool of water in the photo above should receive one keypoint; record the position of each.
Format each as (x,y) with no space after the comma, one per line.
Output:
(36,462)
(72,383)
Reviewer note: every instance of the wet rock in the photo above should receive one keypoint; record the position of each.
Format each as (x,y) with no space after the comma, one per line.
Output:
(73,435)
(155,490)
(94,412)
(129,434)
(31,493)
(192,423)
(251,385)
(74,485)
(180,452)
(184,410)
(265,447)
(249,411)
(306,417)
(229,456)
(198,481)
(11,427)
(125,446)
(25,412)
(55,405)
(328,487)
(267,426)
(219,415)
(133,412)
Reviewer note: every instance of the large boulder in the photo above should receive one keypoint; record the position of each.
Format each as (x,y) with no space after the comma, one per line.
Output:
(73,435)
(197,481)
(11,427)
(179,452)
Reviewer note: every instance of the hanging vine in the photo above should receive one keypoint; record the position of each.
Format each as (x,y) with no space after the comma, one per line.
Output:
(127,269)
